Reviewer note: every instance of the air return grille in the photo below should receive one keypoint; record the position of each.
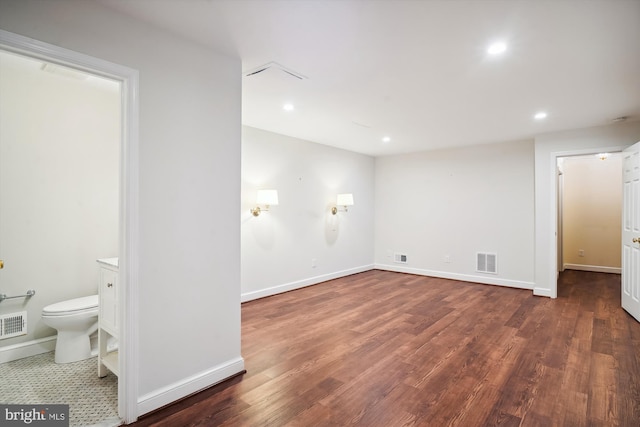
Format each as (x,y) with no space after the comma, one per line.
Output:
(13,325)
(400,258)
(487,263)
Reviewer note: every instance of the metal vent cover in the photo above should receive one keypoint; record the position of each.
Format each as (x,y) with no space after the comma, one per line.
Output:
(274,66)
(13,325)
(486,262)
(400,258)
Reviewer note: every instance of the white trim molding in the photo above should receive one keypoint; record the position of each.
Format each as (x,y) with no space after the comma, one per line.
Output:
(28,348)
(543,292)
(178,390)
(278,289)
(128,256)
(484,280)
(593,268)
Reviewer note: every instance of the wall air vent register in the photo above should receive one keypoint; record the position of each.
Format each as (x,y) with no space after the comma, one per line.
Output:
(486,263)
(400,258)
(13,325)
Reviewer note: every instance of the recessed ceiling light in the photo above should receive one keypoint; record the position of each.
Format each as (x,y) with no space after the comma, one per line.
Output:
(386,139)
(288,107)
(497,48)
(540,115)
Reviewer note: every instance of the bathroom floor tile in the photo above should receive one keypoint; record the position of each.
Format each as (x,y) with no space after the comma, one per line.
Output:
(92,401)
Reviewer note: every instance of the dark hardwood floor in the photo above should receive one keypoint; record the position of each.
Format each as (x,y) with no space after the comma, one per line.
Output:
(390,349)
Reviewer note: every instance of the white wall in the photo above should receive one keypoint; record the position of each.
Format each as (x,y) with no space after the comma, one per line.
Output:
(278,246)
(189,272)
(548,148)
(454,203)
(59,149)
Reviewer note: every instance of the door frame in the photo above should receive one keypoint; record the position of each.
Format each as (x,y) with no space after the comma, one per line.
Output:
(553,247)
(128,195)
(560,217)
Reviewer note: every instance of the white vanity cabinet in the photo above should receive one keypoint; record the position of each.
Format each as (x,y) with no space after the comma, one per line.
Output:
(108,326)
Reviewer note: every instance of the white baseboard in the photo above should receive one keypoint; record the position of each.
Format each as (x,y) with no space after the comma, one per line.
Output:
(176,391)
(594,268)
(542,292)
(457,276)
(26,349)
(274,290)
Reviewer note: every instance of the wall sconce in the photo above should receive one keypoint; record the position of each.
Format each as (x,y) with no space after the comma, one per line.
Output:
(265,198)
(343,200)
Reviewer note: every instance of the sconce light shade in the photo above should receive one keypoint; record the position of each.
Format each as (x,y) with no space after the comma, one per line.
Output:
(345,199)
(265,198)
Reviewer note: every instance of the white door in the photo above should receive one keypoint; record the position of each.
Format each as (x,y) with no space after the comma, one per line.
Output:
(631,231)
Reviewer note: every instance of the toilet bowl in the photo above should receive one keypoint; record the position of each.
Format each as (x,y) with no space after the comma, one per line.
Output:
(75,320)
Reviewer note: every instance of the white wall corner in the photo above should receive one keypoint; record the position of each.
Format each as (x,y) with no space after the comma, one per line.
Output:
(178,390)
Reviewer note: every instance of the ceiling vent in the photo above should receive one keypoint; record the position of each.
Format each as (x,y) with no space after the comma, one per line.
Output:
(361,124)
(274,66)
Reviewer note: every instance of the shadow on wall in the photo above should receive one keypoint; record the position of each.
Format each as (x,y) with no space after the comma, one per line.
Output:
(331,226)
(263,229)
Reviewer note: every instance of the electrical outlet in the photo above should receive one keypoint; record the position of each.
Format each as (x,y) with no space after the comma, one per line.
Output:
(314,262)
(580,252)
(447,259)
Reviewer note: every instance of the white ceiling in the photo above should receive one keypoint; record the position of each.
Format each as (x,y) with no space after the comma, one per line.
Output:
(418,71)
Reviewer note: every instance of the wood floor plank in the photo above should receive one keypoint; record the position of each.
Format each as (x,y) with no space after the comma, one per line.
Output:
(602,395)
(574,408)
(392,349)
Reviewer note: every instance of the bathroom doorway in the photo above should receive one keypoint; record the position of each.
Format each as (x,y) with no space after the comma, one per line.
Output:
(59,209)
(58,62)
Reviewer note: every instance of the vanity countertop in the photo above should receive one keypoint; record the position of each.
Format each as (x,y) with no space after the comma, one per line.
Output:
(113,262)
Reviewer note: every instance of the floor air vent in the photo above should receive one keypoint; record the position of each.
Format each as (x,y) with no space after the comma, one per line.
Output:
(487,263)
(13,325)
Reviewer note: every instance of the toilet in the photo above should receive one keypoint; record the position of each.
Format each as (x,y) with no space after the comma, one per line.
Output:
(75,320)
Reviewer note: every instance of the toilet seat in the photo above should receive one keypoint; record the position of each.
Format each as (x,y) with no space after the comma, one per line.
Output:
(72,306)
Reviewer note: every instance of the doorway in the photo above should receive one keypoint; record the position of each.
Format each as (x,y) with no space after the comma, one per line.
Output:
(127,211)
(59,193)
(589,208)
